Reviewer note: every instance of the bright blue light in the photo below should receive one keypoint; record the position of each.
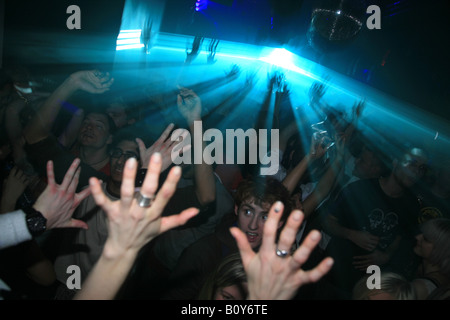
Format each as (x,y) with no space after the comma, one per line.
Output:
(129,46)
(129,39)
(286,60)
(279,57)
(128,34)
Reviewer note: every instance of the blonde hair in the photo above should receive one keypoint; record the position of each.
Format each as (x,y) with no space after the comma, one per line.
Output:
(437,231)
(392,283)
(229,272)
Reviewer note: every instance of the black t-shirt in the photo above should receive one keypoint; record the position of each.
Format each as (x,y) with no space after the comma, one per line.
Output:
(432,206)
(49,149)
(363,206)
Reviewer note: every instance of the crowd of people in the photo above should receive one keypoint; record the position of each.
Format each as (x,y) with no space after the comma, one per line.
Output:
(88,180)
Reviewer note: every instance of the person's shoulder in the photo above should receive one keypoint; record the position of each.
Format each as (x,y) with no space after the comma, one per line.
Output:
(360,186)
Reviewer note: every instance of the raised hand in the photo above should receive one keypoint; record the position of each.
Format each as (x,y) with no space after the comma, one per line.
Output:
(280,82)
(131,226)
(146,34)
(320,143)
(317,91)
(273,273)
(92,81)
(358,109)
(13,187)
(164,146)
(58,202)
(212,51)
(233,72)
(195,50)
(189,105)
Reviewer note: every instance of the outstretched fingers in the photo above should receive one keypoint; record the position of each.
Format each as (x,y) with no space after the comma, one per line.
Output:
(50,174)
(301,255)
(99,196)
(150,184)
(71,189)
(80,196)
(317,272)
(177,220)
(142,149)
(271,227)
(75,223)
(68,177)
(165,134)
(128,184)
(289,233)
(167,190)
(245,249)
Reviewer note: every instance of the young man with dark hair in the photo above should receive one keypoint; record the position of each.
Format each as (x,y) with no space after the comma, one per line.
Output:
(93,138)
(252,204)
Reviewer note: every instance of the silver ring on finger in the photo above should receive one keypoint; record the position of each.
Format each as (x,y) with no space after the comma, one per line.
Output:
(282,253)
(144,201)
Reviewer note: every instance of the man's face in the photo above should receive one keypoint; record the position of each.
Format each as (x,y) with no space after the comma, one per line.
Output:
(94,131)
(251,218)
(119,155)
(411,168)
(117,112)
(367,166)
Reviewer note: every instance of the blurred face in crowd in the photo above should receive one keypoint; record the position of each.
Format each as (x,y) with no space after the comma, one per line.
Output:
(297,199)
(367,165)
(233,292)
(95,131)
(119,155)
(251,218)
(423,247)
(117,112)
(411,168)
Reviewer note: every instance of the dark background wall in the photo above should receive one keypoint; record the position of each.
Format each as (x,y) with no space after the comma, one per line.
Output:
(36,33)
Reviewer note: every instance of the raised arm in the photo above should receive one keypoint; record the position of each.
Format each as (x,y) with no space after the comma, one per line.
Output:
(90,81)
(131,224)
(13,187)
(190,107)
(164,146)
(327,181)
(55,207)
(316,151)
